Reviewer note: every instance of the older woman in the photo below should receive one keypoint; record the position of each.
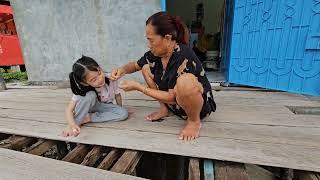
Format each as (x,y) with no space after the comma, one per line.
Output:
(173,73)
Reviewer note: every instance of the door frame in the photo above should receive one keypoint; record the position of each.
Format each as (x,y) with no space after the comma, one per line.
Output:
(163,5)
(228,26)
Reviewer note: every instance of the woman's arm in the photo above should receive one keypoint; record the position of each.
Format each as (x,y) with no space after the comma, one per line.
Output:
(118,99)
(129,68)
(162,96)
(168,97)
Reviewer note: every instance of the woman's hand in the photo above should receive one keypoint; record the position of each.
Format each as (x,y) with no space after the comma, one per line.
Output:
(131,86)
(117,73)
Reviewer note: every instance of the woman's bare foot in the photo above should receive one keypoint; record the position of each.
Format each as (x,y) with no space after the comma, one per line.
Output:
(163,112)
(191,131)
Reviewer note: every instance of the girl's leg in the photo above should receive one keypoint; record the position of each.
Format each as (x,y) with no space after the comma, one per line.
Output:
(84,106)
(108,112)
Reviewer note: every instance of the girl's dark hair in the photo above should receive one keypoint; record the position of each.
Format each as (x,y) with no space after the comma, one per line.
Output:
(77,76)
(166,24)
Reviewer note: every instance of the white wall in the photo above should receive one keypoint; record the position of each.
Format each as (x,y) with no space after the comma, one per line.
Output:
(187,10)
(55,33)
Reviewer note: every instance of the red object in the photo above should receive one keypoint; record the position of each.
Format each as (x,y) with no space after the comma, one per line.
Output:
(5,9)
(10,50)
(5,13)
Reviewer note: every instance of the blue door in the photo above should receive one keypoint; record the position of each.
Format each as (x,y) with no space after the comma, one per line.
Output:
(275,44)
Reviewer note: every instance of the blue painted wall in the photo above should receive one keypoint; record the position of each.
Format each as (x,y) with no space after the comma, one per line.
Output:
(276,44)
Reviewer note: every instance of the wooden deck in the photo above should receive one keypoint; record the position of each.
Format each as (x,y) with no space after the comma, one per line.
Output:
(248,127)
(18,165)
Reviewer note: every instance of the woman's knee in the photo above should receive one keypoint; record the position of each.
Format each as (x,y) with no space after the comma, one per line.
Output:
(146,71)
(145,68)
(188,84)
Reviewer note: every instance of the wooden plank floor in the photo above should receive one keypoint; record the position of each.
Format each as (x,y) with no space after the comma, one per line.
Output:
(18,165)
(248,127)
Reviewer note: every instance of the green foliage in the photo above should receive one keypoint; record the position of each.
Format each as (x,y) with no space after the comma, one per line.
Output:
(11,76)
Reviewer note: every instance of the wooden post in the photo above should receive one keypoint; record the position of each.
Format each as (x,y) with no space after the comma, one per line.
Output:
(77,154)
(109,160)
(127,162)
(40,147)
(194,169)
(208,169)
(2,83)
(230,171)
(93,156)
(259,173)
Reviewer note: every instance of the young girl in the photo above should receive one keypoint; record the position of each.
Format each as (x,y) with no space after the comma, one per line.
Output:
(93,96)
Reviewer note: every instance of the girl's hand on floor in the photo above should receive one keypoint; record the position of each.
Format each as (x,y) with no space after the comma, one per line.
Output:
(71,130)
